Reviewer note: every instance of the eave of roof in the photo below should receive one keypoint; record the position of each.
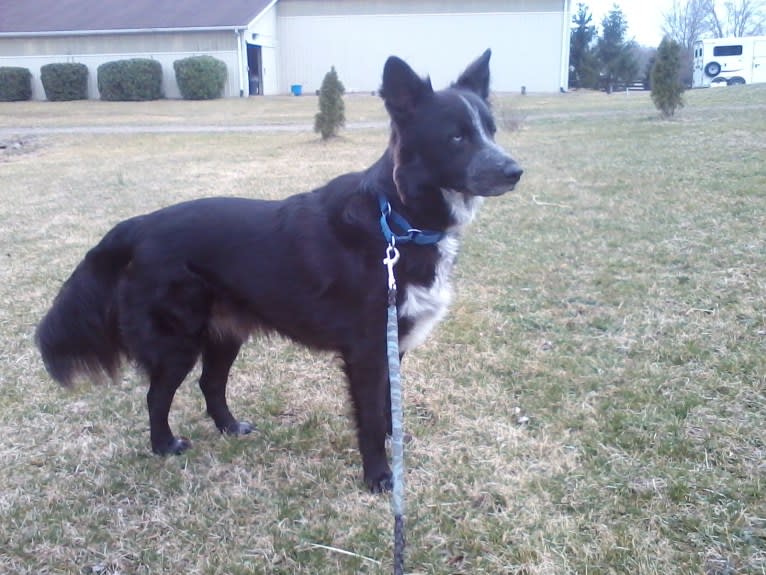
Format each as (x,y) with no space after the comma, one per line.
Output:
(120,31)
(40,18)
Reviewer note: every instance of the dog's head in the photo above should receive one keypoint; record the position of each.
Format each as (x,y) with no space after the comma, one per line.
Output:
(445,139)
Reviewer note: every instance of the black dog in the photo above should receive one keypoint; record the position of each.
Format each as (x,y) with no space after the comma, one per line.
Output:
(197,278)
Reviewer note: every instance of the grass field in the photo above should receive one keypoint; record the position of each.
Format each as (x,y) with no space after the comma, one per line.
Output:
(593,405)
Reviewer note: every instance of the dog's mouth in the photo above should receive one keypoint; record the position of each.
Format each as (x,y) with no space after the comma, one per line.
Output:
(495,187)
(493,178)
(498,190)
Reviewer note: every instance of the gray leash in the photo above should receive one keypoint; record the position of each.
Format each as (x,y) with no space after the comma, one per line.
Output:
(397,428)
(390,222)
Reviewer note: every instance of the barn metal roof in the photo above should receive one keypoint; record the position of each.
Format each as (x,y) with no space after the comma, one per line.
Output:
(41,17)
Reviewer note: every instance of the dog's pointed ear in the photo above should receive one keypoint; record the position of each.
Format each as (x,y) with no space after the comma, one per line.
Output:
(402,89)
(476,76)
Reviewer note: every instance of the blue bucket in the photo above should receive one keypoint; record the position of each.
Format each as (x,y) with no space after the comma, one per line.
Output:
(296,89)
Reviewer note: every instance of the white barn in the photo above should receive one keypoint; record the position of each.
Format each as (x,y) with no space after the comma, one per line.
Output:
(271,45)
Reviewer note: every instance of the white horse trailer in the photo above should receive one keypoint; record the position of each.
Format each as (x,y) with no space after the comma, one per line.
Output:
(729,61)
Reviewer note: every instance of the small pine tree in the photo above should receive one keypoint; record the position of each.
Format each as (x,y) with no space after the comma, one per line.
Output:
(332,111)
(667,89)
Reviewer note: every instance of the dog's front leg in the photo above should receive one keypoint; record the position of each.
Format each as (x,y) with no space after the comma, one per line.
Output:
(368,382)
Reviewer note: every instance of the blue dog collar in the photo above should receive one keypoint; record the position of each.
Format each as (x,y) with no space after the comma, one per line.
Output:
(410,234)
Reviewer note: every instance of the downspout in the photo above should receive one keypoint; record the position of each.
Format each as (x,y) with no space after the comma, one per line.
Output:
(565,33)
(241,65)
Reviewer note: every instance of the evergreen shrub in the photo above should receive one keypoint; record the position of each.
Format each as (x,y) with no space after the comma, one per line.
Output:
(15,84)
(130,80)
(65,81)
(332,110)
(200,77)
(667,88)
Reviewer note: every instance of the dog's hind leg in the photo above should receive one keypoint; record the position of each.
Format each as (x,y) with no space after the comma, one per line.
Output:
(217,357)
(163,320)
(163,383)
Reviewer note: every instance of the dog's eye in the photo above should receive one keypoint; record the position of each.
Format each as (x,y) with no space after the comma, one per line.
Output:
(457,138)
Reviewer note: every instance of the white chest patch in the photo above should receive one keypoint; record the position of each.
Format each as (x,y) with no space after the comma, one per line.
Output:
(462,207)
(427,305)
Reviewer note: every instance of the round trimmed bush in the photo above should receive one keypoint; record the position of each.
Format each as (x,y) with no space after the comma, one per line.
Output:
(65,81)
(200,77)
(130,80)
(15,84)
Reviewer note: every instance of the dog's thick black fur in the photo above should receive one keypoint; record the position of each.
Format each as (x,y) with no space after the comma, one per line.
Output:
(196,278)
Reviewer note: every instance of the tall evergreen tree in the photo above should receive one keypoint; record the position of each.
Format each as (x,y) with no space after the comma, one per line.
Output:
(614,53)
(332,111)
(667,88)
(583,67)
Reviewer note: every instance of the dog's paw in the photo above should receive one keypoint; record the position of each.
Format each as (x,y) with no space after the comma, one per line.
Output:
(239,428)
(382,483)
(176,446)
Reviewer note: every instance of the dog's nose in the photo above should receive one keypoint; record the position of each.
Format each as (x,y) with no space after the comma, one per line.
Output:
(513,172)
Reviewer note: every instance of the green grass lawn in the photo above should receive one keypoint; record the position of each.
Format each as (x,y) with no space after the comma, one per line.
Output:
(594,403)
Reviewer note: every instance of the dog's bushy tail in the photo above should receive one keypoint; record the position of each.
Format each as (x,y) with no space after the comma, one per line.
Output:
(80,334)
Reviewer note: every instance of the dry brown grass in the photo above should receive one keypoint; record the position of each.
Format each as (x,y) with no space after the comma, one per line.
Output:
(594,404)
(225,112)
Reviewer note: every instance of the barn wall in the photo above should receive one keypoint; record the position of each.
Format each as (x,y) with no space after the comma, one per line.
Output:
(437,37)
(301,39)
(94,50)
(263,32)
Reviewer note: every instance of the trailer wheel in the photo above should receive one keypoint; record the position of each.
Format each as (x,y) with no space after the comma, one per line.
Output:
(712,69)
(736,81)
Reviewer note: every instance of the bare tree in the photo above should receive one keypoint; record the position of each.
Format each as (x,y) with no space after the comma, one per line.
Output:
(736,17)
(746,17)
(713,19)
(686,21)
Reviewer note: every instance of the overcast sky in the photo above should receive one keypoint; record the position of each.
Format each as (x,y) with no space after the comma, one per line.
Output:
(644,17)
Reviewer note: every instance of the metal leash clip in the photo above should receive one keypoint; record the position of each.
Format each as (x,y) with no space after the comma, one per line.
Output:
(392,256)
